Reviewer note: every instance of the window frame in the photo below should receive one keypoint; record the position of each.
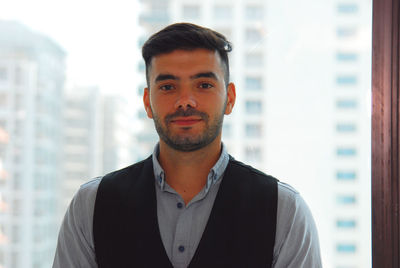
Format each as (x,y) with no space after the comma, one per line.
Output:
(385,133)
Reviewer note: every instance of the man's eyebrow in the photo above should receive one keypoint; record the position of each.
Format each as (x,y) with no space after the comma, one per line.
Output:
(162,77)
(204,75)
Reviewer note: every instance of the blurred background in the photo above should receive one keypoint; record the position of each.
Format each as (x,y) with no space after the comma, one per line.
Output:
(71,81)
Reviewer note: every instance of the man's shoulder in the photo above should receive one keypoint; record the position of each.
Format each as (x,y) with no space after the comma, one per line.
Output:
(129,169)
(237,165)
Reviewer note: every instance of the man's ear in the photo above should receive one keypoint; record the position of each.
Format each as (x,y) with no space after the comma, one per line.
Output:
(146,102)
(231,98)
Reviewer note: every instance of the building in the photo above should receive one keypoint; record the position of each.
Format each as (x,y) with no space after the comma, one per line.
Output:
(31,88)
(82,140)
(302,73)
(120,147)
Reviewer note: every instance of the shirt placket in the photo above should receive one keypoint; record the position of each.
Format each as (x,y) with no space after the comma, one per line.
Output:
(181,245)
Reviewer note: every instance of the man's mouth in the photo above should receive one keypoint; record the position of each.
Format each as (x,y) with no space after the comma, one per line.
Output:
(186,121)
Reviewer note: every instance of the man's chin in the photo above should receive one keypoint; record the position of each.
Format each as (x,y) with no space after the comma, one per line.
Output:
(186,145)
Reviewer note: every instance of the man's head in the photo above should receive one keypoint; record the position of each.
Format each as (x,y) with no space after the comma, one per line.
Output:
(186,36)
(187,93)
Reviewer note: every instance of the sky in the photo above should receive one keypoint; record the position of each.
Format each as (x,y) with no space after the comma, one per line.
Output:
(99,37)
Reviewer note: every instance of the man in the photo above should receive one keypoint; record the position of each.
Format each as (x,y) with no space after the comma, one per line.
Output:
(190,204)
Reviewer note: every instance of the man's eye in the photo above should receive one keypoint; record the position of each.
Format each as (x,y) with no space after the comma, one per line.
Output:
(205,85)
(166,87)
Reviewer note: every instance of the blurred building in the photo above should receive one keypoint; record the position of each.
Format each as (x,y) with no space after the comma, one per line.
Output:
(119,129)
(31,89)
(82,140)
(302,74)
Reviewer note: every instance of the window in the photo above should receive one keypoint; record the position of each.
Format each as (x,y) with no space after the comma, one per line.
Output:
(16,179)
(191,11)
(347,8)
(253,83)
(253,130)
(16,208)
(253,153)
(227,130)
(346,175)
(253,107)
(346,80)
(346,104)
(254,12)
(346,248)
(346,127)
(141,66)
(140,90)
(3,99)
(223,12)
(3,73)
(142,114)
(346,56)
(346,199)
(346,32)
(346,151)
(18,76)
(253,36)
(15,234)
(254,59)
(346,224)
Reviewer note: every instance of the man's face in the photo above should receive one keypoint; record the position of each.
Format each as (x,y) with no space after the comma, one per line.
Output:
(187,98)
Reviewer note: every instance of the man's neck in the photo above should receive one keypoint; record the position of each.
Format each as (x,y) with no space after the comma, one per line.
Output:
(187,172)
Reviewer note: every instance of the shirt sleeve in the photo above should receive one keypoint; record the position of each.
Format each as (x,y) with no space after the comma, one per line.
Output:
(75,246)
(296,243)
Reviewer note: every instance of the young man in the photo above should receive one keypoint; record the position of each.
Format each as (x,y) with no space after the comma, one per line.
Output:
(190,204)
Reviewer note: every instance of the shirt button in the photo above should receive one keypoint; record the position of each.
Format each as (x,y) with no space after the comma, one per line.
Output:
(181,248)
(179,205)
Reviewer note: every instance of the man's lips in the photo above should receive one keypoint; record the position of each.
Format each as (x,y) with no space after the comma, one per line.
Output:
(183,121)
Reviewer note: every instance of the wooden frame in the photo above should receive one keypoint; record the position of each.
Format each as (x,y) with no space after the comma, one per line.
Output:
(385,134)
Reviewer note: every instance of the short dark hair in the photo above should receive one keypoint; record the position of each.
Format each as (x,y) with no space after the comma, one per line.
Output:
(186,36)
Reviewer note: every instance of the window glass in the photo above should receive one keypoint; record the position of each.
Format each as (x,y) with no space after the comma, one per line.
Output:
(253,83)
(253,35)
(346,199)
(347,8)
(254,12)
(348,224)
(346,104)
(346,80)
(346,127)
(346,175)
(191,11)
(253,107)
(346,32)
(223,12)
(346,151)
(346,248)
(254,59)
(346,56)
(3,73)
(302,73)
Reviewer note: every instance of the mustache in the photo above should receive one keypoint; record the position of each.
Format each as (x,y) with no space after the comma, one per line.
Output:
(185,113)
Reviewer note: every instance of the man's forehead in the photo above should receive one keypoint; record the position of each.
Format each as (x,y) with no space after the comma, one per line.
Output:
(186,54)
(197,60)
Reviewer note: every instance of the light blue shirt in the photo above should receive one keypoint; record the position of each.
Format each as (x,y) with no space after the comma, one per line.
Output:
(181,226)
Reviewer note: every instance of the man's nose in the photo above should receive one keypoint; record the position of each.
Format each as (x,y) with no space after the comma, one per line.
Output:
(185,100)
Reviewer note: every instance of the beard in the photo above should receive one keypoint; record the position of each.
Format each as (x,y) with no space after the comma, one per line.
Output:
(186,142)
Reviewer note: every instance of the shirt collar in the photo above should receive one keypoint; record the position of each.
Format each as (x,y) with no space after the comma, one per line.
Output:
(214,175)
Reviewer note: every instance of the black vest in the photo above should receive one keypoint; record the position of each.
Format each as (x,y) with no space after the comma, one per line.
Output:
(240,231)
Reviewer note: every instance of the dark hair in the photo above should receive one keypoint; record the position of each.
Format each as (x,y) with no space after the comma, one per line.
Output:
(186,36)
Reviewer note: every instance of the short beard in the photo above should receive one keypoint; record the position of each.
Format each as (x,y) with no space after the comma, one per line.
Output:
(189,144)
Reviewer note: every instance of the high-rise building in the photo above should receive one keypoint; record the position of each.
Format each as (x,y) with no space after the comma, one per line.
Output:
(119,134)
(302,74)
(82,140)
(31,86)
